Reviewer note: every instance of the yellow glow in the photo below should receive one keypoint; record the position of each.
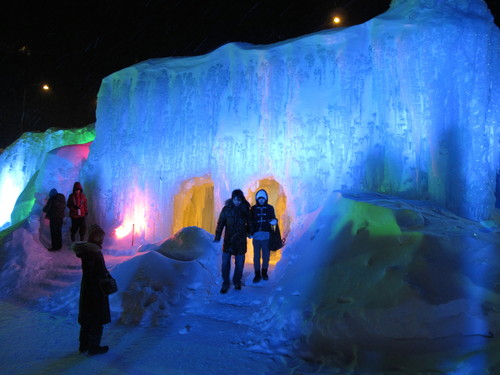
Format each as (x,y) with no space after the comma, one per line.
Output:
(194,205)
(336,20)
(45,87)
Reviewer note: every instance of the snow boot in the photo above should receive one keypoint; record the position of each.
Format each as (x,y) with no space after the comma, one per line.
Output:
(99,350)
(264,274)
(224,289)
(256,278)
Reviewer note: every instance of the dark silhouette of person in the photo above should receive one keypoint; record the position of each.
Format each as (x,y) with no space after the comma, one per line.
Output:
(235,218)
(94,309)
(54,209)
(77,204)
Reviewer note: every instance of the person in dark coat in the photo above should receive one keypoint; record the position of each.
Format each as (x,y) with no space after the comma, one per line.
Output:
(54,209)
(234,217)
(94,309)
(77,204)
(262,216)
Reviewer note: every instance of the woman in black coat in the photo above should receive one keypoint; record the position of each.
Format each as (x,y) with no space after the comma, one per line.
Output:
(235,217)
(94,309)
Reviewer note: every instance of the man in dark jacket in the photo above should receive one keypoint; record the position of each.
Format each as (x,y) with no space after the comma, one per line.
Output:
(262,216)
(54,208)
(94,309)
(77,204)
(235,218)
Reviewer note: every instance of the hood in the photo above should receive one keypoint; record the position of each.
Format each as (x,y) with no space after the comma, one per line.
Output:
(77,186)
(230,203)
(52,193)
(261,194)
(80,248)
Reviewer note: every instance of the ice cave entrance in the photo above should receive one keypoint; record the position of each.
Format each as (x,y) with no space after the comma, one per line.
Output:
(194,205)
(277,199)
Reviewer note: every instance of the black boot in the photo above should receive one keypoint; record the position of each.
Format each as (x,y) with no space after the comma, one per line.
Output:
(224,289)
(264,274)
(99,350)
(256,278)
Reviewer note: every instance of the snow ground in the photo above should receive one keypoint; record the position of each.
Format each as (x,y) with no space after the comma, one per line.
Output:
(370,283)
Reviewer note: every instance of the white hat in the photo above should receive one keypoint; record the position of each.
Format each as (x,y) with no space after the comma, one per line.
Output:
(261,194)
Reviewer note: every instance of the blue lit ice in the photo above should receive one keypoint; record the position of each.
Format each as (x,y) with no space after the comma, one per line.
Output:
(379,146)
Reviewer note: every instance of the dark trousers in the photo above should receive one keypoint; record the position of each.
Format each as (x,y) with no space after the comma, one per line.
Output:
(56,232)
(90,336)
(261,247)
(78,224)
(239,262)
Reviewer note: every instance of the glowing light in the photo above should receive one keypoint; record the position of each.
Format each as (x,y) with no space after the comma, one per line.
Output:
(45,87)
(123,230)
(134,222)
(336,20)
(9,190)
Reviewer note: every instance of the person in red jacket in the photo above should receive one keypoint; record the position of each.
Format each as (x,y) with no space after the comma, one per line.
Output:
(77,204)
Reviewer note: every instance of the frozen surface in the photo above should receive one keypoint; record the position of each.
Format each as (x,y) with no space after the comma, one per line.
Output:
(370,283)
(404,104)
(21,162)
(402,282)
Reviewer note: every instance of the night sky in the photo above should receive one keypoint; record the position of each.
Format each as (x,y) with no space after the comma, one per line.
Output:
(72,45)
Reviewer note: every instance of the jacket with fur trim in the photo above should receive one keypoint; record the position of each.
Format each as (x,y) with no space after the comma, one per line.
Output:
(94,304)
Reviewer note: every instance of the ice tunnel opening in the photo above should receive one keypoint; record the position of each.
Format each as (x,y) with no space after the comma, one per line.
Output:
(277,199)
(194,205)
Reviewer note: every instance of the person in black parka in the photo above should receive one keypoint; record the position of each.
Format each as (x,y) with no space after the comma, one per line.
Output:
(94,309)
(54,208)
(235,218)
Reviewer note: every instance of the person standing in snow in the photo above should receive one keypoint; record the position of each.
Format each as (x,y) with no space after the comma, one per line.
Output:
(93,310)
(77,204)
(235,218)
(54,209)
(262,216)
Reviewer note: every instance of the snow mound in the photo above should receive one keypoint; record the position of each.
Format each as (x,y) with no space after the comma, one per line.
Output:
(158,284)
(189,243)
(377,282)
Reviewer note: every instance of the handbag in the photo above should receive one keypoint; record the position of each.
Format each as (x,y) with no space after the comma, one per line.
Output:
(108,284)
(275,240)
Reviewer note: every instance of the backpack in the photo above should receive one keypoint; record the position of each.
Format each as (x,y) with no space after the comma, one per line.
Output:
(58,205)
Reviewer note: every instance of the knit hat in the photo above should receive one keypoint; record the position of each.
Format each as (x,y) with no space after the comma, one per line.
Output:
(261,194)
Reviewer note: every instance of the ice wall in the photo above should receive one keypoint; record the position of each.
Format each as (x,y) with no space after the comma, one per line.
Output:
(404,104)
(21,162)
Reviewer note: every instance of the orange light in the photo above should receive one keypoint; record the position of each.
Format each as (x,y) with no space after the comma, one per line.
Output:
(336,20)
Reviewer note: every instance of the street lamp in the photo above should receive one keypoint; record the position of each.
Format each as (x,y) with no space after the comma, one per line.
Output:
(45,87)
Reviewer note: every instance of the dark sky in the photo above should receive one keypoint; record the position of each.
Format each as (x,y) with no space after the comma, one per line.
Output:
(72,45)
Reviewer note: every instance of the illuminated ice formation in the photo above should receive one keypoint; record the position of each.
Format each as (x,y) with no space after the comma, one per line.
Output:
(21,162)
(404,104)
